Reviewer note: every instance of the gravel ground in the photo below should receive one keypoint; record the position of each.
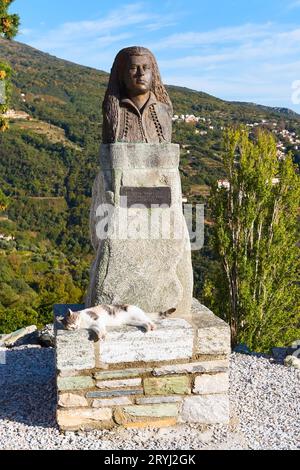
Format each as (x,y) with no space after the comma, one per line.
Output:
(265,410)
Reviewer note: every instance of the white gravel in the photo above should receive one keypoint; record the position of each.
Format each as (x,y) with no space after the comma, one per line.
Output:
(265,410)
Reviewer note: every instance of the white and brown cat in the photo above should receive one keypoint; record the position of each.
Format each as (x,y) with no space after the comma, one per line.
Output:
(98,318)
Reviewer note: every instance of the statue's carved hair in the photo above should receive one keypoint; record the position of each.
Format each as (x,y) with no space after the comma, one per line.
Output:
(116,90)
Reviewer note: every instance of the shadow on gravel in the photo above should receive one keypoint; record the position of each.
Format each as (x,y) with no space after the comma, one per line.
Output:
(27,384)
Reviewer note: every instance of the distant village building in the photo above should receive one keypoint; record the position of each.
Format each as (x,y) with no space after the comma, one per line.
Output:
(223,184)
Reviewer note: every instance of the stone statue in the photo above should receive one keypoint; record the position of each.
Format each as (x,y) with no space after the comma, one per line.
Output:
(140,165)
(136,107)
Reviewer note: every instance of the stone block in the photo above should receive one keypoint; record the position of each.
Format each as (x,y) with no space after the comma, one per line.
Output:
(135,413)
(119,383)
(167,385)
(122,374)
(11,339)
(70,400)
(74,383)
(152,423)
(213,334)
(193,368)
(138,156)
(108,402)
(74,350)
(158,399)
(206,384)
(206,409)
(173,339)
(90,418)
(114,393)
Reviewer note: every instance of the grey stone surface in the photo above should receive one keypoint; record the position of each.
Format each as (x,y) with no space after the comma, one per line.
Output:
(292,361)
(172,385)
(206,384)
(69,400)
(74,383)
(173,339)
(115,393)
(74,350)
(158,399)
(77,418)
(193,367)
(213,334)
(107,402)
(122,373)
(156,410)
(11,339)
(46,336)
(126,269)
(119,383)
(206,409)
(134,156)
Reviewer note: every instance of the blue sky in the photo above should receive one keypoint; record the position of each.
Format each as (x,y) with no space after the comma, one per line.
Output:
(233,49)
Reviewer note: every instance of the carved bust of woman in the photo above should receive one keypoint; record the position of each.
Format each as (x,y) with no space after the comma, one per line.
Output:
(136,106)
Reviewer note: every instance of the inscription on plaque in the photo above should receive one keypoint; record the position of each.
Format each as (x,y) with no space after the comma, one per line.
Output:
(147,196)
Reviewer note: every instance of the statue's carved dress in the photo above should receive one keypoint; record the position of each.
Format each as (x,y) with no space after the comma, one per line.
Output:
(152,124)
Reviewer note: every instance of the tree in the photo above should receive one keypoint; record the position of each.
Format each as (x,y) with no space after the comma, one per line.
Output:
(4,201)
(8,29)
(255,236)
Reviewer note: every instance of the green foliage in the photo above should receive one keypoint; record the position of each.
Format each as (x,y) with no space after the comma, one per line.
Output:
(9,24)
(33,277)
(48,174)
(4,201)
(255,235)
(8,29)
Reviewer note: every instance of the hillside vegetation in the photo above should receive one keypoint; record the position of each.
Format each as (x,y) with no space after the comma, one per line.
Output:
(48,162)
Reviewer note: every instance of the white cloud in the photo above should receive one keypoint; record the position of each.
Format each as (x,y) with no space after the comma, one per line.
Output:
(247,62)
(215,37)
(25,31)
(109,29)
(293,5)
(258,65)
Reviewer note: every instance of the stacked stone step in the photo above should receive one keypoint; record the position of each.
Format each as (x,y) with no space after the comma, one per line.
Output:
(175,374)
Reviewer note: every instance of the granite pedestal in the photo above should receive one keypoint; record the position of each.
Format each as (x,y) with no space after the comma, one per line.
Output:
(144,257)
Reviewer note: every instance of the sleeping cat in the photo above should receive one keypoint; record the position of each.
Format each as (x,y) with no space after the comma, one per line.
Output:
(98,318)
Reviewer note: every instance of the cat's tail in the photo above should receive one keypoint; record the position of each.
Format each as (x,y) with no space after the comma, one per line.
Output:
(167,313)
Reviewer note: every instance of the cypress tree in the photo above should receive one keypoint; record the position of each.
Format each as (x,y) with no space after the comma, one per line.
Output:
(256,236)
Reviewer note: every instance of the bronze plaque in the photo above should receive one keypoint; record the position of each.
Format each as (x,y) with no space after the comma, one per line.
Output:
(147,196)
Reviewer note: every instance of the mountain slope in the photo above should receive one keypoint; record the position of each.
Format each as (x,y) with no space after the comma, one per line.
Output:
(48,165)
(69,96)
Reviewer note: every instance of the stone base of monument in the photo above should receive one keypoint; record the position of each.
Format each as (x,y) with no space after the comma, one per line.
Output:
(175,374)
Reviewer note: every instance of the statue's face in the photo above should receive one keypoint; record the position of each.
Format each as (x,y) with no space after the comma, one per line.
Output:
(138,75)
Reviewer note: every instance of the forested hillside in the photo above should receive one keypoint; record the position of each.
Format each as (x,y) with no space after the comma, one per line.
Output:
(48,161)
